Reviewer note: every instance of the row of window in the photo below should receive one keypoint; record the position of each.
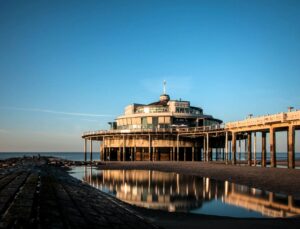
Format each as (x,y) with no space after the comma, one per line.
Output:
(160,109)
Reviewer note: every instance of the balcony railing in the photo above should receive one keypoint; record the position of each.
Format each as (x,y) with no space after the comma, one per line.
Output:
(175,130)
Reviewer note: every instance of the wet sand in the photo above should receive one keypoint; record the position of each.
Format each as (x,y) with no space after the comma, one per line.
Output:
(286,181)
(278,180)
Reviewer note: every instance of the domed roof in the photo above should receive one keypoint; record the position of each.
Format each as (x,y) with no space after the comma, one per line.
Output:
(163,100)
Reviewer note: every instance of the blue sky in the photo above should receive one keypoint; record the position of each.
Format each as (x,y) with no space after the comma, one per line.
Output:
(71,66)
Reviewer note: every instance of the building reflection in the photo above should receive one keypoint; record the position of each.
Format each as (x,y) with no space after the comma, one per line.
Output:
(183,193)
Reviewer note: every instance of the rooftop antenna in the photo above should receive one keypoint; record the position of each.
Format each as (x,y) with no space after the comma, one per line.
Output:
(165,87)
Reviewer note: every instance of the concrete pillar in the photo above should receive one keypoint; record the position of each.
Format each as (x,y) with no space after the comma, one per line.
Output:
(240,150)
(233,148)
(134,154)
(104,153)
(91,150)
(134,149)
(119,154)
(184,151)
(207,147)
(150,157)
(204,149)
(193,153)
(249,148)
(174,158)
(85,149)
(124,149)
(226,147)
(177,147)
(263,150)
(254,149)
(142,153)
(109,152)
(273,147)
(291,147)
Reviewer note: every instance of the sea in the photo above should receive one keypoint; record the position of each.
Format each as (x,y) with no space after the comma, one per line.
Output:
(73,156)
(79,156)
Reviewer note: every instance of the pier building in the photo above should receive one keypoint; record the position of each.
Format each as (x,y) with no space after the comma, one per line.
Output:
(176,131)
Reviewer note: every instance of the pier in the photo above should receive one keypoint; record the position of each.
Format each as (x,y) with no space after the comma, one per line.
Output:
(201,143)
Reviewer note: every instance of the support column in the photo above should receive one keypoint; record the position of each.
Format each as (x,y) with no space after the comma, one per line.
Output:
(207,147)
(184,151)
(142,153)
(174,152)
(240,150)
(273,147)
(124,149)
(193,153)
(134,152)
(109,152)
(104,154)
(177,147)
(204,149)
(100,153)
(119,154)
(91,148)
(233,148)
(263,150)
(149,148)
(249,148)
(254,149)
(226,147)
(291,147)
(85,149)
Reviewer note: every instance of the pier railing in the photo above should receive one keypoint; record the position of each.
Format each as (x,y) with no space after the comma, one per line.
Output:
(174,130)
(265,119)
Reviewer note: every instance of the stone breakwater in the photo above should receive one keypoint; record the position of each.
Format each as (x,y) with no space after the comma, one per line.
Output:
(38,193)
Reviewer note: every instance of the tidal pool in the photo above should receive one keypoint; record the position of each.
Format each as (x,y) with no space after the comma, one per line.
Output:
(175,192)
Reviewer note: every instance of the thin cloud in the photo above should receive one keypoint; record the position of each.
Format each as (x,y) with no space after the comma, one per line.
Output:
(56,112)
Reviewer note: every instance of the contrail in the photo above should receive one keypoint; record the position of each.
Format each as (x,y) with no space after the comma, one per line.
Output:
(56,112)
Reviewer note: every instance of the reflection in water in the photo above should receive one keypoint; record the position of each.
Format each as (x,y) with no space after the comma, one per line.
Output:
(176,192)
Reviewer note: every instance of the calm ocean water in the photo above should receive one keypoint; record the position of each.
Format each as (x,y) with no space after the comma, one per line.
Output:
(79,156)
(76,156)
